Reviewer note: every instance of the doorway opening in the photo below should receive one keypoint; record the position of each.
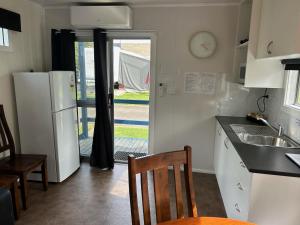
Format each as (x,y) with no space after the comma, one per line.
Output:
(130,78)
(130,88)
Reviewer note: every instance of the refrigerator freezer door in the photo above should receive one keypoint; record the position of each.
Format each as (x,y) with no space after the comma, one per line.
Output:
(67,149)
(35,118)
(63,91)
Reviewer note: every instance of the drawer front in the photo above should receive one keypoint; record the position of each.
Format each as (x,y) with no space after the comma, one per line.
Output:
(219,152)
(238,211)
(240,184)
(242,177)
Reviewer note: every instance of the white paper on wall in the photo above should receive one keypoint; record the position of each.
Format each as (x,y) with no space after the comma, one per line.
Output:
(200,83)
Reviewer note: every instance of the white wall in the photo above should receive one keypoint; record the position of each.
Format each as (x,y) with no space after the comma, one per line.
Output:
(27,54)
(181,119)
(188,119)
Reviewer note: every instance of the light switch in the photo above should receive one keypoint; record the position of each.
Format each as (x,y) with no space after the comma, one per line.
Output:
(161,89)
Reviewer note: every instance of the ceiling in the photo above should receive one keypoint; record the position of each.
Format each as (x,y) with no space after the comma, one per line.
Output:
(133,2)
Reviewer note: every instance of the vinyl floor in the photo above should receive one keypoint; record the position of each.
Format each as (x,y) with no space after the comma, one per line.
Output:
(97,197)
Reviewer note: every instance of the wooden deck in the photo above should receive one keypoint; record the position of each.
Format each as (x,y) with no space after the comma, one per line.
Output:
(134,145)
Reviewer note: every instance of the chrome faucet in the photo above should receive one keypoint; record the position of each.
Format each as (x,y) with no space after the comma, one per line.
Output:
(279,131)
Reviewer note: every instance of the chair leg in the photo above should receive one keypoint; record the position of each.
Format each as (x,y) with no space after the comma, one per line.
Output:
(45,175)
(24,190)
(15,196)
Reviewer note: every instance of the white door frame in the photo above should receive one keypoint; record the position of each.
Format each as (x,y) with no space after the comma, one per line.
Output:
(152,36)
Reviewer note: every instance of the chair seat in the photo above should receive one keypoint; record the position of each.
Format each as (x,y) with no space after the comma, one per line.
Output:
(205,221)
(21,163)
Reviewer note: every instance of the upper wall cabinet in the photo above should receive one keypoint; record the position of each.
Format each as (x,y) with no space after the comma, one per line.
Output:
(279,31)
(269,72)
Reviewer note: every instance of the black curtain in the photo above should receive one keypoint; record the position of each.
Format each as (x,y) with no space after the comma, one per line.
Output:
(102,150)
(63,50)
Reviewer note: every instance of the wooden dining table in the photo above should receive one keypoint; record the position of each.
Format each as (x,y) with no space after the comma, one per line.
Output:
(205,221)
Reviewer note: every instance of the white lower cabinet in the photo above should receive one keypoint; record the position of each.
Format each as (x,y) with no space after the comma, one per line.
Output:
(239,184)
(219,153)
(232,175)
(258,198)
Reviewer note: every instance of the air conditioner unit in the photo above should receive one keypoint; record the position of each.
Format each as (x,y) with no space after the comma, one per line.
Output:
(106,17)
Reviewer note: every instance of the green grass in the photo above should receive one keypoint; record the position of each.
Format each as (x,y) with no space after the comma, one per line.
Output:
(134,96)
(131,132)
(124,131)
(126,96)
(90,127)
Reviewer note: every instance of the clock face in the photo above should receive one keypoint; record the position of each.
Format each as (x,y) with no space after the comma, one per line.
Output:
(203,44)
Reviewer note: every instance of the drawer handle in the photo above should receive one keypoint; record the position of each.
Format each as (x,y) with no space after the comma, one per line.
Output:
(240,187)
(236,206)
(225,143)
(242,165)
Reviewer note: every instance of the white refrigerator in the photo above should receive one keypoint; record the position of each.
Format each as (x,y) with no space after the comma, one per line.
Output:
(47,118)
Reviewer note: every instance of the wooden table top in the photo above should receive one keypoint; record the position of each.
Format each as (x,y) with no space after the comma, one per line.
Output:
(205,221)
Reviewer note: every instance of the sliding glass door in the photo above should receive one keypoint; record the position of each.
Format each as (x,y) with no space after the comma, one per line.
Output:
(84,52)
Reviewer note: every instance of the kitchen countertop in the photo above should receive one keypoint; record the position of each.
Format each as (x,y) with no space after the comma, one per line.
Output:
(260,159)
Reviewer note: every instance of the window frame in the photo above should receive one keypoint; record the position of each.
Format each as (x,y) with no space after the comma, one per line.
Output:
(292,91)
(6,48)
(297,98)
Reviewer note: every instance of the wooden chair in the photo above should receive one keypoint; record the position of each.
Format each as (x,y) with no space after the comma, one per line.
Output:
(19,164)
(159,165)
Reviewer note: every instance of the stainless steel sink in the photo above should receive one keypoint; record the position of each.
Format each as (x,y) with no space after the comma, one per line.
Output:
(262,136)
(261,140)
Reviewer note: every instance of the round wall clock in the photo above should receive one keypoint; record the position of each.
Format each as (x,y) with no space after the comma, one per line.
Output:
(203,44)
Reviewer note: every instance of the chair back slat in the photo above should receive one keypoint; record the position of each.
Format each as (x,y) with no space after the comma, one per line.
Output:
(6,142)
(133,194)
(178,192)
(145,198)
(161,194)
(3,139)
(159,164)
(191,200)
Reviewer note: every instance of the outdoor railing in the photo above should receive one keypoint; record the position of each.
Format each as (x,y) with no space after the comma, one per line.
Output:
(90,103)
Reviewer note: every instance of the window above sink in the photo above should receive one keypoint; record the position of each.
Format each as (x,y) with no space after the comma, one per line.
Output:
(292,90)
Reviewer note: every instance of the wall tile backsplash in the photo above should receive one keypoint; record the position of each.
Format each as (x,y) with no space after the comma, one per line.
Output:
(278,114)
(238,100)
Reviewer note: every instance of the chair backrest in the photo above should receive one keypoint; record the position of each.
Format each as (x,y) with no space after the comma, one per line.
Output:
(159,165)
(6,138)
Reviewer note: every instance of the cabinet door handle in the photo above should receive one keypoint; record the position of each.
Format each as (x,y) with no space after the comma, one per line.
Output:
(240,187)
(269,51)
(219,132)
(242,164)
(225,143)
(236,206)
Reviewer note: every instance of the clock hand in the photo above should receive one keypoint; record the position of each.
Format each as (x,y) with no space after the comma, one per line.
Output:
(204,46)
